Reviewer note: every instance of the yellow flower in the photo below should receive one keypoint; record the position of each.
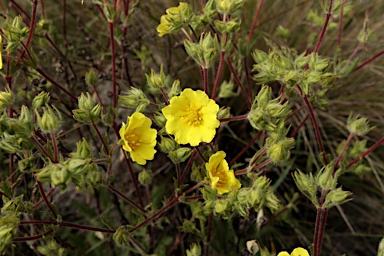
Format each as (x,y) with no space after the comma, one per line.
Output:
(296,252)
(172,20)
(138,138)
(219,174)
(191,117)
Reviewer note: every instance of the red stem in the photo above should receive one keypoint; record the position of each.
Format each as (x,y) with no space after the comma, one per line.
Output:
(233,118)
(254,21)
(36,205)
(187,167)
(342,152)
(381,141)
(30,238)
(205,79)
(114,85)
(31,27)
(218,74)
(55,149)
(67,224)
(369,60)
(327,16)
(125,198)
(45,199)
(239,83)
(245,148)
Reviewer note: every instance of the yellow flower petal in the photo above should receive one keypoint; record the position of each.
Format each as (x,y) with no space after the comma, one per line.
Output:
(299,252)
(220,177)
(191,117)
(138,138)
(283,254)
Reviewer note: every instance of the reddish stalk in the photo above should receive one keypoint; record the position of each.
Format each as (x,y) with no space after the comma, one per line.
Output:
(46,199)
(327,16)
(239,83)
(31,27)
(342,152)
(101,139)
(55,149)
(187,167)
(233,118)
(340,26)
(254,21)
(218,74)
(294,133)
(245,148)
(67,224)
(377,144)
(31,238)
(41,72)
(205,79)
(114,85)
(41,147)
(369,60)
(36,205)
(245,171)
(126,198)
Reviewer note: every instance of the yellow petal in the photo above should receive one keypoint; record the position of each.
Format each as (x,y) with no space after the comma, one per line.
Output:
(283,254)
(299,252)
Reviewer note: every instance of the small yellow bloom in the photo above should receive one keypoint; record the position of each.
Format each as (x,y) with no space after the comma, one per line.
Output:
(172,20)
(138,138)
(296,252)
(219,174)
(191,117)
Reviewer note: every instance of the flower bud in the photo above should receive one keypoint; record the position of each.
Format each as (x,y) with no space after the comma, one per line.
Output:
(224,6)
(26,118)
(252,247)
(180,155)
(145,177)
(93,176)
(60,176)
(259,56)
(359,126)
(195,250)
(222,206)
(121,236)
(156,80)
(307,185)
(6,99)
(167,144)
(48,122)
(276,110)
(264,96)
(325,179)
(226,90)
(134,98)
(224,112)
(175,89)
(86,102)
(337,197)
(41,100)
(83,150)
(227,27)
(159,119)
(91,77)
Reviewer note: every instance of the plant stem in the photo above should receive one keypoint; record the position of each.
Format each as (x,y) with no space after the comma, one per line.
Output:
(45,198)
(369,60)
(114,85)
(340,26)
(101,138)
(245,148)
(245,171)
(30,238)
(187,167)
(381,141)
(41,147)
(218,74)
(233,118)
(342,152)
(205,79)
(254,21)
(36,205)
(126,198)
(239,83)
(322,33)
(55,149)
(67,224)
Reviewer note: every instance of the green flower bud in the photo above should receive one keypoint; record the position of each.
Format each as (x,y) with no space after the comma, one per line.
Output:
(255,197)
(277,152)
(224,6)
(6,234)
(175,89)
(41,100)
(194,251)
(86,102)
(134,98)
(209,194)
(222,206)
(60,176)
(91,77)
(95,112)
(167,144)
(27,164)
(14,205)
(48,122)
(159,119)
(93,176)
(302,60)
(121,236)
(255,118)
(226,90)
(307,185)
(156,80)
(242,195)
(325,179)
(180,155)
(276,110)
(77,166)
(6,99)
(145,177)
(337,197)
(224,112)
(271,201)
(83,150)
(227,27)
(264,96)
(359,126)
(26,118)
(259,56)
(44,174)
(380,250)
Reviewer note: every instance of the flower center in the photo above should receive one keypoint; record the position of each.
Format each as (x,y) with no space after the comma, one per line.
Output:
(193,116)
(219,172)
(133,139)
